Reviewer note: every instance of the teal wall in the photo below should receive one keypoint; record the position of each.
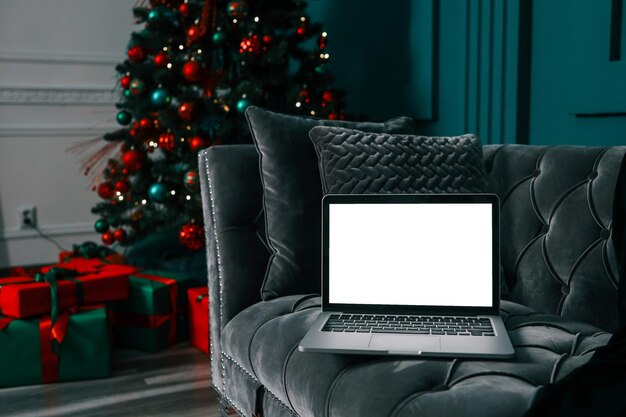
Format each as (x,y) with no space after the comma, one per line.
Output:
(512,71)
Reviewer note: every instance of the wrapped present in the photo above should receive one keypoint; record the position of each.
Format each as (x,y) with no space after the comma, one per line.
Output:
(155,314)
(22,297)
(73,346)
(198,300)
(91,250)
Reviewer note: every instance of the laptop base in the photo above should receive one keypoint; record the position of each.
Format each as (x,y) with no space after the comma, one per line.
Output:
(483,347)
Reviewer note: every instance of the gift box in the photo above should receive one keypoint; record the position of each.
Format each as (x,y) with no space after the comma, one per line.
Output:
(198,301)
(23,297)
(91,250)
(155,314)
(39,351)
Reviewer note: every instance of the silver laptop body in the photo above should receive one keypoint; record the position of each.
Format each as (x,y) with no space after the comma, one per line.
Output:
(410,275)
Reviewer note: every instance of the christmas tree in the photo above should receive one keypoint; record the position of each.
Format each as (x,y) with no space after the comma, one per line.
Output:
(190,74)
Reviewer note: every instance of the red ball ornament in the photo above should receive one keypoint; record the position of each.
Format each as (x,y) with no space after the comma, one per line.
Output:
(146,123)
(161,59)
(125,81)
(192,71)
(194,33)
(187,111)
(122,186)
(166,141)
(301,31)
(267,38)
(333,116)
(132,160)
(196,143)
(192,236)
(119,235)
(327,96)
(108,238)
(184,9)
(106,190)
(136,53)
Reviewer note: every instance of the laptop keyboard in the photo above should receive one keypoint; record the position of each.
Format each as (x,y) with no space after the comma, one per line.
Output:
(433,325)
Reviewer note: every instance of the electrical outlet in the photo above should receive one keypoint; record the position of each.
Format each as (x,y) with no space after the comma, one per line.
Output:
(27,216)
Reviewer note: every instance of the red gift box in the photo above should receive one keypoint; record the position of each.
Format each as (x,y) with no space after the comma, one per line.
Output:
(22,297)
(198,300)
(98,282)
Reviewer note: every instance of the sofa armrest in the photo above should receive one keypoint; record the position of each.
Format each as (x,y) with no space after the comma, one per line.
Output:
(237,254)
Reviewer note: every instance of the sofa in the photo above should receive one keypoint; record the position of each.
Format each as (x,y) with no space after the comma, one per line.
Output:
(562,260)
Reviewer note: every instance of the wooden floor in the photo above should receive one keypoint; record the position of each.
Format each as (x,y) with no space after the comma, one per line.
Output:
(175,382)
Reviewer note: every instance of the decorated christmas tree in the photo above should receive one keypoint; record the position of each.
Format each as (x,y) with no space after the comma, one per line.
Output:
(191,72)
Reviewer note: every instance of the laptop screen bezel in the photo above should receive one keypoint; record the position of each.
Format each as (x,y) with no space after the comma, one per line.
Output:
(491,199)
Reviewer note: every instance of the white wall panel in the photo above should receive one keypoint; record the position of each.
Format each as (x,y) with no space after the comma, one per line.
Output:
(57,77)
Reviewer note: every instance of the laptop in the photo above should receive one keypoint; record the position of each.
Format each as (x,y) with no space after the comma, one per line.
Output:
(410,275)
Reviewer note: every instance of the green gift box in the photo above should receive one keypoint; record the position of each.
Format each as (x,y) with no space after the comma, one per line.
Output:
(74,347)
(155,314)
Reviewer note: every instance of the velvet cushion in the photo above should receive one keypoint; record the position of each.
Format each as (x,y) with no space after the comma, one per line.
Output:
(292,193)
(262,343)
(355,162)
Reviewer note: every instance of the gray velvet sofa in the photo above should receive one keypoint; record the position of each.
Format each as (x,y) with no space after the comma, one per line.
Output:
(562,252)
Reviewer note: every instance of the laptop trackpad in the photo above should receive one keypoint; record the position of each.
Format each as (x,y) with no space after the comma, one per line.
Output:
(405,342)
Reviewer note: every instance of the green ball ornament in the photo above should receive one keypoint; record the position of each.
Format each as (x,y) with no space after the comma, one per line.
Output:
(137,87)
(321,69)
(219,37)
(160,98)
(101,226)
(242,105)
(158,192)
(124,117)
(127,93)
(154,15)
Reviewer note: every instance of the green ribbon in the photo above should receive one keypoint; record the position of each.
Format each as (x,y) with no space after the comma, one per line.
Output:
(91,250)
(51,278)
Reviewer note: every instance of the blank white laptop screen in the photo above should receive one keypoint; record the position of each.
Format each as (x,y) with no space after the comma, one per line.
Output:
(410,254)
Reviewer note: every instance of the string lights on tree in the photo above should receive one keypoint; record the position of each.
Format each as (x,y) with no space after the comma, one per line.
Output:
(190,73)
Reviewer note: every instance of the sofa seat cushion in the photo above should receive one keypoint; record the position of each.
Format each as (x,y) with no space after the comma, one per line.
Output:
(263,340)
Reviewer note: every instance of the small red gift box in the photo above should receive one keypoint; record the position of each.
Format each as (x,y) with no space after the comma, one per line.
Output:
(199,317)
(22,297)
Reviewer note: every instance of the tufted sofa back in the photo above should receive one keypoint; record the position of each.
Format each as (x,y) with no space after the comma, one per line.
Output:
(558,231)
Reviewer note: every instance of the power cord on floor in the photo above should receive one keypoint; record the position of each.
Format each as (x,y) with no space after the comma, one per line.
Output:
(45,236)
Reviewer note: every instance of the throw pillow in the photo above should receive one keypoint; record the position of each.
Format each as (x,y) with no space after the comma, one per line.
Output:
(292,195)
(355,162)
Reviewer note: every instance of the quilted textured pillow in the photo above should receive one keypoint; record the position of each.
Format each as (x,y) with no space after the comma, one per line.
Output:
(292,193)
(355,162)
